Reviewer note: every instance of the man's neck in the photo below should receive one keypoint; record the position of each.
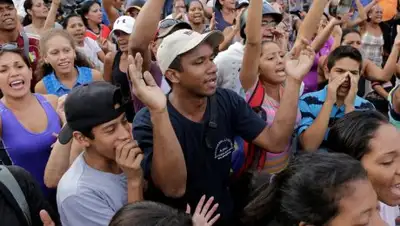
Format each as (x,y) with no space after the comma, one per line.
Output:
(8,36)
(189,105)
(339,101)
(100,163)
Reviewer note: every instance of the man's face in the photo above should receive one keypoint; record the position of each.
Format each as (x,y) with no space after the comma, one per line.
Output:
(8,17)
(108,135)
(199,71)
(345,67)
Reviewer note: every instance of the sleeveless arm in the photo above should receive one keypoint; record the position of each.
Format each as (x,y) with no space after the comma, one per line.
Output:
(97,76)
(40,88)
(108,64)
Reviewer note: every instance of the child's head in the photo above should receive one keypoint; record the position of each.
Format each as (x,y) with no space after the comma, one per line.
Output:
(271,66)
(58,53)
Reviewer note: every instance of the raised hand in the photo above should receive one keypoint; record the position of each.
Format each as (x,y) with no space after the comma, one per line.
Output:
(144,86)
(213,22)
(46,219)
(60,108)
(397,39)
(129,156)
(351,96)
(203,213)
(236,27)
(299,61)
(333,86)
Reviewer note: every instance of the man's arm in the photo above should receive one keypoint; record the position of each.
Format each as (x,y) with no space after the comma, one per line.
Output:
(312,131)
(145,28)
(59,162)
(163,156)
(276,137)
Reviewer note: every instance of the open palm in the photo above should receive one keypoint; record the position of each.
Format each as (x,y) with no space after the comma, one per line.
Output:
(144,86)
(298,66)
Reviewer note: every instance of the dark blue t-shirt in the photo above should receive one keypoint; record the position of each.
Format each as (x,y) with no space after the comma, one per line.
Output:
(208,166)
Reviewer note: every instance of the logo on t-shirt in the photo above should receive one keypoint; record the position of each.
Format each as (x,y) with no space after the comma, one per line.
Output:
(223,149)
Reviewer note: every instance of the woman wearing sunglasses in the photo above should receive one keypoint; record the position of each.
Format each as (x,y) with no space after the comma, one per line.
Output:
(28,121)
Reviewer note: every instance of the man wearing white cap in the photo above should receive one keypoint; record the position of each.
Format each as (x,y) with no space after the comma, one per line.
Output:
(187,137)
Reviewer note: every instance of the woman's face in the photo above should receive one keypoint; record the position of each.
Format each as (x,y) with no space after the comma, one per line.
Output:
(352,39)
(272,68)
(122,40)
(376,14)
(39,9)
(180,6)
(358,206)
(95,14)
(382,163)
(15,75)
(229,4)
(76,28)
(60,54)
(196,13)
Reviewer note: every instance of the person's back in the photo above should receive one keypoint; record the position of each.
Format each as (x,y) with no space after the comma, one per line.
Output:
(11,213)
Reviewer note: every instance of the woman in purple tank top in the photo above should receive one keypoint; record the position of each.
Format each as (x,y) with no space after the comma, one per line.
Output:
(27,121)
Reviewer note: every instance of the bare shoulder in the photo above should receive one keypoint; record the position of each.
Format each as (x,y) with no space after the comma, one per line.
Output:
(52,99)
(97,76)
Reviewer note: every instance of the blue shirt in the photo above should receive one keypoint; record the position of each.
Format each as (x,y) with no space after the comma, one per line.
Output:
(310,105)
(55,87)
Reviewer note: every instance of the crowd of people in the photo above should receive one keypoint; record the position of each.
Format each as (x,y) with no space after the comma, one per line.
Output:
(218,112)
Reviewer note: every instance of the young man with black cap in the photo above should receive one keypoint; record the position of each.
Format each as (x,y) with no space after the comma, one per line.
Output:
(107,175)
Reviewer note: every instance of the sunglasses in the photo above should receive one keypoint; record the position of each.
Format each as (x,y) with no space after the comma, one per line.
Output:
(9,46)
(166,23)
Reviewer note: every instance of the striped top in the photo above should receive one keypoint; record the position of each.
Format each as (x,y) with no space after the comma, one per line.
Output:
(275,162)
(310,105)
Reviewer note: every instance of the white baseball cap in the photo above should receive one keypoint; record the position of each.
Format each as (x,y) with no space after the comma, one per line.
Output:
(182,41)
(123,23)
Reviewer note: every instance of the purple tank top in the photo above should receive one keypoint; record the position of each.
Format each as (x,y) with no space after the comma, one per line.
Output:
(311,79)
(26,149)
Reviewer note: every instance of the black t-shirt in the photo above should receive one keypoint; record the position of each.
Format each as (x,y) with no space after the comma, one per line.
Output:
(11,214)
(208,166)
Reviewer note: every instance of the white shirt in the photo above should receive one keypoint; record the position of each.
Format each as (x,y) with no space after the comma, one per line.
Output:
(389,213)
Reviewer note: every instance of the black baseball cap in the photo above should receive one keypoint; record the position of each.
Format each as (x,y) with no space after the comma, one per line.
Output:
(90,105)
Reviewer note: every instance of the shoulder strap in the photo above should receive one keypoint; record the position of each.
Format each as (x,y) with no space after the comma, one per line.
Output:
(26,45)
(212,123)
(257,97)
(12,185)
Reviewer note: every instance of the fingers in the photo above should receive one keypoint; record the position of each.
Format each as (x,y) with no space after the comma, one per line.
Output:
(200,204)
(212,221)
(46,219)
(148,78)
(119,148)
(212,211)
(187,208)
(134,73)
(207,206)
